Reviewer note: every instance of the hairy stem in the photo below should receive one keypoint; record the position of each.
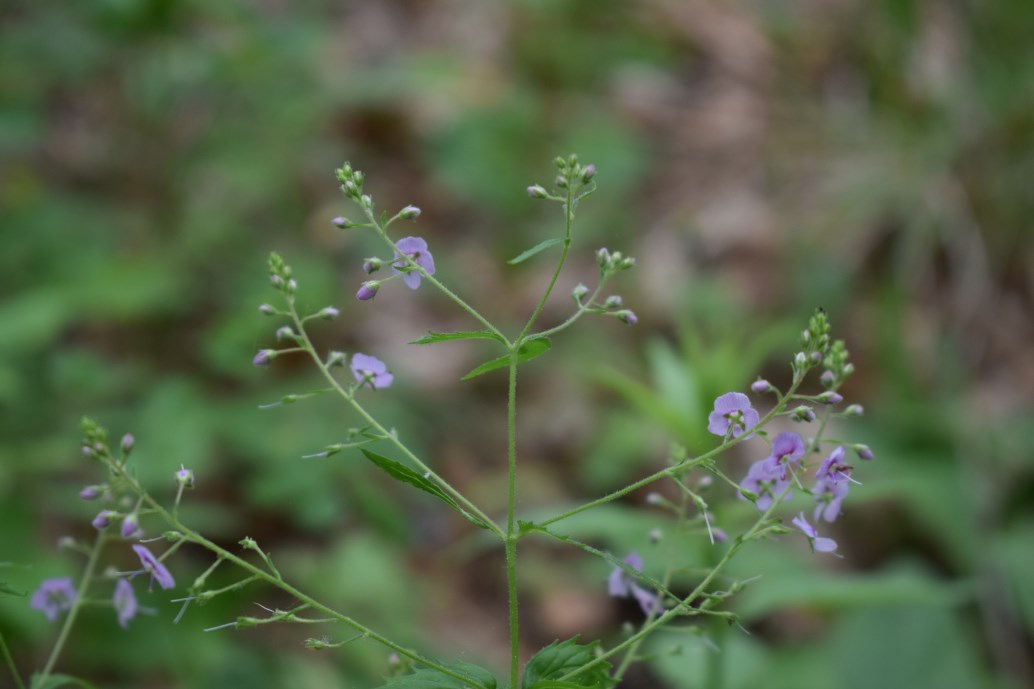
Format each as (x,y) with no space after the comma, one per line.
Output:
(73,612)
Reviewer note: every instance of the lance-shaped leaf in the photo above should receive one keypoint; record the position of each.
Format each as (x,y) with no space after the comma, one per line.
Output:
(400,472)
(545,669)
(432,337)
(541,246)
(527,351)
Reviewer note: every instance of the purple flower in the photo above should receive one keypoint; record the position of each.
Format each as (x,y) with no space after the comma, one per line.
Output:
(103,519)
(732,410)
(264,357)
(53,597)
(124,602)
(369,370)
(831,485)
(817,543)
(156,568)
(416,249)
(770,477)
(368,290)
(622,585)
(130,526)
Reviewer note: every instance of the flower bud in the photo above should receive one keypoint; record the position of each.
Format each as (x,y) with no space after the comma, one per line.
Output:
(284,333)
(185,477)
(831,397)
(87,451)
(350,188)
(130,526)
(91,492)
(816,357)
(537,192)
(560,181)
(267,310)
(854,410)
(654,498)
(848,369)
(409,213)
(613,302)
(367,290)
(372,265)
(627,317)
(800,361)
(276,280)
(588,173)
(103,519)
(579,291)
(560,163)
(358,176)
(365,201)
(828,379)
(342,222)
(292,286)
(626,263)
(863,451)
(603,258)
(655,535)
(328,313)
(804,414)
(335,358)
(264,357)
(760,385)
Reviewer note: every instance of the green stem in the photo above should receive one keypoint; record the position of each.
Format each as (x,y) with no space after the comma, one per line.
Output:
(582,310)
(568,220)
(673,470)
(10,663)
(259,573)
(73,612)
(511,506)
(308,347)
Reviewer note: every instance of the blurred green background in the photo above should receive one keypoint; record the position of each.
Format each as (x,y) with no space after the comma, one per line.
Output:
(760,159)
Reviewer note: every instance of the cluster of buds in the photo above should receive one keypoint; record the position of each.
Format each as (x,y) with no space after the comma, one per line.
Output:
(838,368)
(612,262)
(280,276)
(571,178)
(352,184)
(814,343)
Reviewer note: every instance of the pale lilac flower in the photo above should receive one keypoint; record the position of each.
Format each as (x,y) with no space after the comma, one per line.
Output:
(768,478)
(622,585)
(157,570)
(369,370)
(124,601)
(732,410)
(831,485)
(818,544)
(416,249)
(53,597)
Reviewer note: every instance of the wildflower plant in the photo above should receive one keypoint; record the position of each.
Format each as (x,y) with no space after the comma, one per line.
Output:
(144,528)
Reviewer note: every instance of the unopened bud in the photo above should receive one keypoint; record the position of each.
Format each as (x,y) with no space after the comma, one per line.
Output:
(815,357)
(831,397)
(804,414)
(368,290)
(185,477)
(409,213)
(328,313)
(863,451)
(588,173)
(267,310)
(284,333)
(655,535)
(627,317)
(342,222)
(537,192)
(848,369)
(335,358)
(828,379)
(613,302)
(561,181)
(603,258)
(292,286)
(626,263)
(127,443)
(130,526)
(350,188)
(854,410)
(653,498)
(91,492)
(579,291)
(800,361)
(372,265)
(103,519)
(760,385)
(264,357)
(365,201)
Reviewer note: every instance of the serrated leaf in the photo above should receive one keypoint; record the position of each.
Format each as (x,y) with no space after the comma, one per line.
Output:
(6,589)
(432,337)
(400,472)
(529,350)
(426,678)
(541,246)
(549,665)
(55,681)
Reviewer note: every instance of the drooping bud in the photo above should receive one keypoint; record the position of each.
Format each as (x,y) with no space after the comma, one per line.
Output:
(130,526)
(863,451)
(372,265)
(103,519)
(409,213)
(328,313)
(368,290)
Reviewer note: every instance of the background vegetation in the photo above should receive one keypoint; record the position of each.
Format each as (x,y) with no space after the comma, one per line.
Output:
(758,158)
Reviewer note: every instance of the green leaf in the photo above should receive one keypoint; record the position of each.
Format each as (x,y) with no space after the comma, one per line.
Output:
(400,472)
(6,590)
(529,350)
(546,667)
(426,678)
(432,337)
(54,681)
(541,246)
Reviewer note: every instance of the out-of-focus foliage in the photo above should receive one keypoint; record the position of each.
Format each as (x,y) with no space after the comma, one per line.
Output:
(759,159)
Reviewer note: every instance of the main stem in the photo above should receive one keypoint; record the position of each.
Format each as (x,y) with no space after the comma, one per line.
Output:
(511,531)
(73,612)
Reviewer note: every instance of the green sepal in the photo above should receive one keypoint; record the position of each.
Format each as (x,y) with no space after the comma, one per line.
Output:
(432,337)
(527,351)
(400,472)
(558,659)
(541,246)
